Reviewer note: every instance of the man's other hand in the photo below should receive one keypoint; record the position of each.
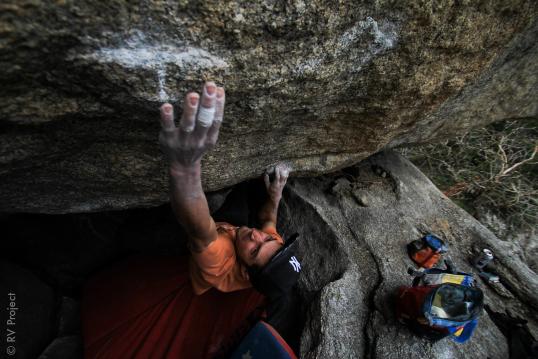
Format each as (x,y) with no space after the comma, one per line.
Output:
(198,127)
(276,185)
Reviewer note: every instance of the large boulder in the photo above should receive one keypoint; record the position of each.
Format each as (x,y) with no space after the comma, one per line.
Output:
(354,229)
(316,84)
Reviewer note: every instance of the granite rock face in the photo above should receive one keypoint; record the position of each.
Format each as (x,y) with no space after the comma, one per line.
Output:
(355,258)
(318,84)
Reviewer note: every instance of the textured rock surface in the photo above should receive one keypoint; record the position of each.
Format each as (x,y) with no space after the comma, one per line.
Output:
(318,84)
(355,259)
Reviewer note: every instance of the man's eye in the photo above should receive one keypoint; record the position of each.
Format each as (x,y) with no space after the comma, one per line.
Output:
(254,253)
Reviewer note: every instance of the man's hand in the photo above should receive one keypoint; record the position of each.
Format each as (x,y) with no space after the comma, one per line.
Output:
(198,128)
(269,211)
(184,147)
(276,186)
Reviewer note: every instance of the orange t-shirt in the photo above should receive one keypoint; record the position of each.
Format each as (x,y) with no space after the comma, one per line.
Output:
(217,266)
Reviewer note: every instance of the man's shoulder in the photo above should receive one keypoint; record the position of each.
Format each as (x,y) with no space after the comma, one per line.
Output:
(217,266)
(225,227)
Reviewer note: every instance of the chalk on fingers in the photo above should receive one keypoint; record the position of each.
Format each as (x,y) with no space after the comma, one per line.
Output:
(167,117)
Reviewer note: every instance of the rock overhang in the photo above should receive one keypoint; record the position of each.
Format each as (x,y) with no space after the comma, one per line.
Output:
(320,87)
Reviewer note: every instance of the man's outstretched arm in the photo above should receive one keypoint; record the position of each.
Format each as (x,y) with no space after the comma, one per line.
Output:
(269,211)
(184,147)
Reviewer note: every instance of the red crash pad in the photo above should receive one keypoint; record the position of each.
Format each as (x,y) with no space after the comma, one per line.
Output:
(145,307)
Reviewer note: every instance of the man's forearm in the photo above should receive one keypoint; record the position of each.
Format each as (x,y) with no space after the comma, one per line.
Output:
(190,204)
(269,212)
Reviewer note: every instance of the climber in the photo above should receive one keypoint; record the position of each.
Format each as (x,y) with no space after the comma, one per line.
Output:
(221,253)
(168,307)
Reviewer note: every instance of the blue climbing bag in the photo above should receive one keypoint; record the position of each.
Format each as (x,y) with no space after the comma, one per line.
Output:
(441,303)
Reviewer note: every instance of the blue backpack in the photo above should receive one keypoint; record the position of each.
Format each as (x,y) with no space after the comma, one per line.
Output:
(441,303)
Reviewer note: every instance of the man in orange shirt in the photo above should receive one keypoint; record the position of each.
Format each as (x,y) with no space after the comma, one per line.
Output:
(221,253)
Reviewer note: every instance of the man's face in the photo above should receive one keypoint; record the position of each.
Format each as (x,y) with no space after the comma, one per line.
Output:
(254,247)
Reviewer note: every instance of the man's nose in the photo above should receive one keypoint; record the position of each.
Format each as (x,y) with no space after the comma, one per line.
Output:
(256,237)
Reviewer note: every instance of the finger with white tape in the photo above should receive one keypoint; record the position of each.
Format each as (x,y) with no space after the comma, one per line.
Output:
(205,116)
(206,112)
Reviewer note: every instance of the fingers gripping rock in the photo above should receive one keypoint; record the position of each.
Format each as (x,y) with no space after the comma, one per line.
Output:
(213,133)
(276,184)
(167,117)
(219,112)
(189,112)
(206,113)
(277,174)
(198,128)
(266,180)
(206,116)
(283,170)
